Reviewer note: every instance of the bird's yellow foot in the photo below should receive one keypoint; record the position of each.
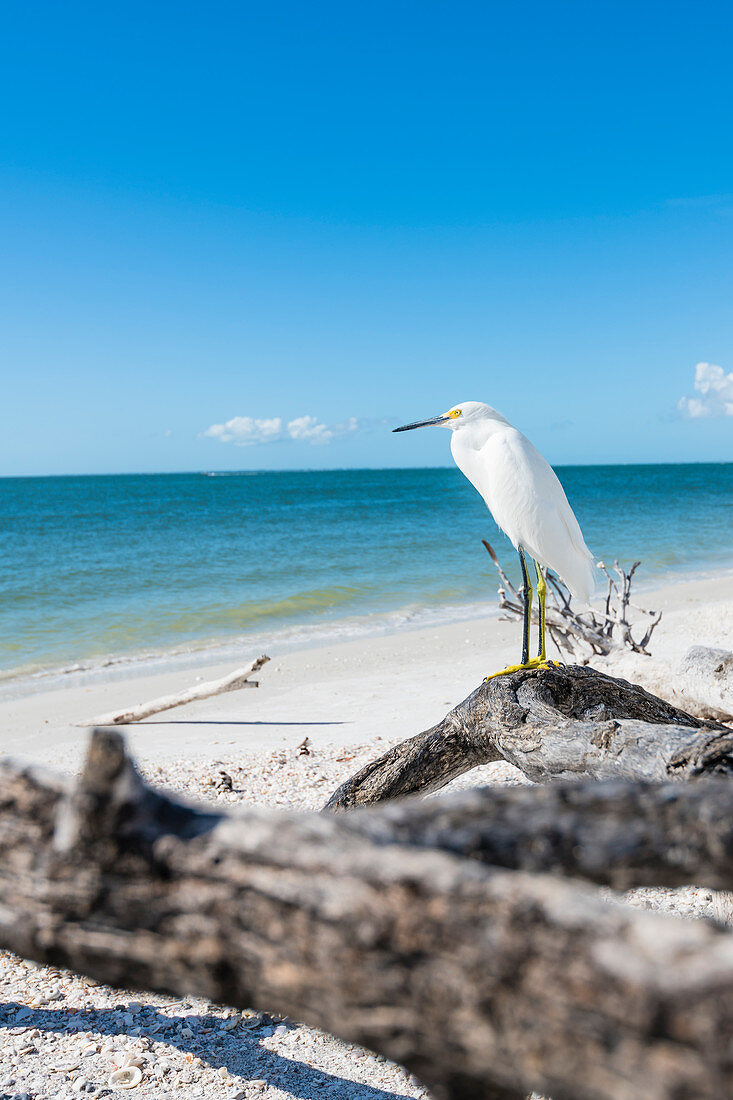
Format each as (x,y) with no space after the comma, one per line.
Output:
(535,662)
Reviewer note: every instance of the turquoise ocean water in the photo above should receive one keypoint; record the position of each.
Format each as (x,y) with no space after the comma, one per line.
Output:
(140,565)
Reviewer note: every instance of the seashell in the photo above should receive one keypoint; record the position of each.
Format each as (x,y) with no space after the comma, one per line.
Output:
(129,1077)
(132,1059)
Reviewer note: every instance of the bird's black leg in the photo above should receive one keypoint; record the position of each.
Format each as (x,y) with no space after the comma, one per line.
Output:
(526,593)
(527,597)
(541,598)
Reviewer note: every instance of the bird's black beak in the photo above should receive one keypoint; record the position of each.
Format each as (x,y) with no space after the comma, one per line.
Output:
(422,424)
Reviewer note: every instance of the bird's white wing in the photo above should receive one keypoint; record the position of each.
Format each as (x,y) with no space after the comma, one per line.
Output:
(528,502)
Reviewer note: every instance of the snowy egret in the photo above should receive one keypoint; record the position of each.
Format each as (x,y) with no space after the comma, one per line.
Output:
(523,494)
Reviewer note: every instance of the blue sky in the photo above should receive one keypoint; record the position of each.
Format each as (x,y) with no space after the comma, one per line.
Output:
(338,218)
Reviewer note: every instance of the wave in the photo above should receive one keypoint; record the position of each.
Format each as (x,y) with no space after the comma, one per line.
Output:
(209,651)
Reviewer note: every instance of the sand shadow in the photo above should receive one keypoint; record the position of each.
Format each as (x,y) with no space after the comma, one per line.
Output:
(242,1052)
(225,722)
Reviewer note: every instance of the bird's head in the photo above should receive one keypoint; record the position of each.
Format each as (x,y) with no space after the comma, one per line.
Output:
(460,415)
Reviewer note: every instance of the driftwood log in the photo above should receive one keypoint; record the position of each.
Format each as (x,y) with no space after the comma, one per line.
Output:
(233,681)
(705,681)
(484,982)
(569,722)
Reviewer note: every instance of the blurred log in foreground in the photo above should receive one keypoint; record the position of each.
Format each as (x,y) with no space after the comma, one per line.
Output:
(483,982)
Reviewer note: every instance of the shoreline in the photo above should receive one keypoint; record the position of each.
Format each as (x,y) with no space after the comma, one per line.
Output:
(292,637)
(211,652)
(343,691)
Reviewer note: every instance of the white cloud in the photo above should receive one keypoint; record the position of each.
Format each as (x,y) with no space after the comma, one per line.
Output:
(715,389)
(308,428)
(244,431)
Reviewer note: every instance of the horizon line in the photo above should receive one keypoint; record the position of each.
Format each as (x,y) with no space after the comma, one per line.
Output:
(203,472)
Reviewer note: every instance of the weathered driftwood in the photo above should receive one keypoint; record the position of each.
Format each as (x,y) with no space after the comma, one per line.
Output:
(483,982)
(569,722)
(617,833)
(591,630)
(233,681)
(706,677)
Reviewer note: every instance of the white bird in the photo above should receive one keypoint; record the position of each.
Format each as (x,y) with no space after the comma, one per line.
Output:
(523,494)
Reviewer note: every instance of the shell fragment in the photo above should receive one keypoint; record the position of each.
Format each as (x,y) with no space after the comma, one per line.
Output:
(129,1077)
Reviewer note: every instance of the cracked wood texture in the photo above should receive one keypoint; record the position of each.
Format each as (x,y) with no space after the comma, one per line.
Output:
(615,833)
(483,982)
(569,722)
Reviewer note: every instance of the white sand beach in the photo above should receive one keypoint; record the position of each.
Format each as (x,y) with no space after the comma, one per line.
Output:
(65,1034)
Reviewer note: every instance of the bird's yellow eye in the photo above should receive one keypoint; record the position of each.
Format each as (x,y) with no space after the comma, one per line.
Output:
(454,413)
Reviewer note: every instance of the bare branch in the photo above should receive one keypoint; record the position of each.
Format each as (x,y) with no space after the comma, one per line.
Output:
(600,632)
(232,682)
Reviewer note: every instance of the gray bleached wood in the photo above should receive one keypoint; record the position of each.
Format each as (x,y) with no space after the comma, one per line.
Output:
(483,982)
(617,833)
(233,681)
(569,722)
(706,681)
